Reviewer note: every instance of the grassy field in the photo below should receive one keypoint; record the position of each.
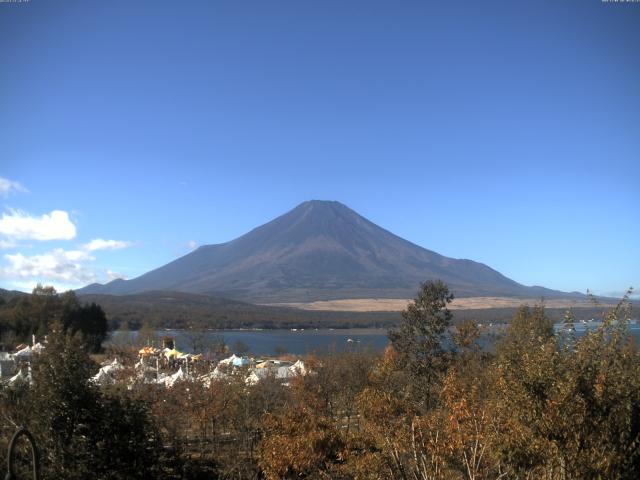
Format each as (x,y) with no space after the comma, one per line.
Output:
(398,304)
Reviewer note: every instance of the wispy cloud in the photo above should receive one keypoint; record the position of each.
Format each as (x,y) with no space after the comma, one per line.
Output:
(191,244)
(5,244)
(19,225)
(59,265)
(101,244)
(10,187)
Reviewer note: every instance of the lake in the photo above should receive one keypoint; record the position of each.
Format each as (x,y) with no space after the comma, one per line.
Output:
(301,342)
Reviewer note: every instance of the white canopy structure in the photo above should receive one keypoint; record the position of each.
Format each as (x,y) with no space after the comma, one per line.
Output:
(102,378)
(105,374)
(112,367)
(19,378)
(229,360)
(144,372)
(241,362)
(176,377)
(298,368)
(208,378)
(253,378)
(23,354)
(235,361)
(277,369)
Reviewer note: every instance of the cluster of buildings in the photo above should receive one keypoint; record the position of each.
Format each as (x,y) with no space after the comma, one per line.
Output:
(161,366)
(165,367)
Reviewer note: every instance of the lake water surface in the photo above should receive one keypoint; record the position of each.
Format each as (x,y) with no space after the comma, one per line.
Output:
(300,342)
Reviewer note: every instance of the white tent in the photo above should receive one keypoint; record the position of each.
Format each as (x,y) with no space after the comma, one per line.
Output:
(279,373)
(102,378)
(229,361)
(105,374)
(144,372)
(241,362)
(235,361)
(298,368)
(23,354)
(253,378)
(208,378)
(176,377)
(17,378)
(112,367)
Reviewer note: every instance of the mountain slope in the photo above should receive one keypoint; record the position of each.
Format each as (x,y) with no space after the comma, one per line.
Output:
(319,250)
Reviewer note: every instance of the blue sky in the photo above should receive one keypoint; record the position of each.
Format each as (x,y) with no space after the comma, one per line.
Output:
(505,132)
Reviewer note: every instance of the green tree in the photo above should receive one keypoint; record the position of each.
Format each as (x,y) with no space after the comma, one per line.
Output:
(84,432)
(90,321)
(419,337)
(35,314)
(63,401)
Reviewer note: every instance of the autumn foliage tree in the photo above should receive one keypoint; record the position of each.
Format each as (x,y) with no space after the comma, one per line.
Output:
(569,410)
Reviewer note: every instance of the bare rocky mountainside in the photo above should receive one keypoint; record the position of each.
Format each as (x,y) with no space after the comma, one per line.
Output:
(320,250)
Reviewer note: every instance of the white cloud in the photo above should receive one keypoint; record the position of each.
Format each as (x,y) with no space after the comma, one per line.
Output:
(192,244)
(101,244)
(63,269)
(28,286)
(18,225)
(59,265)
(9,187)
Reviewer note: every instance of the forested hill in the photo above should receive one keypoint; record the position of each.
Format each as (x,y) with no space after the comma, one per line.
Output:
(6,295)
(185,310)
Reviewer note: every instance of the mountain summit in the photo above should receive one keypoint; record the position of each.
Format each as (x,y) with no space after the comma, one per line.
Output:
(320,250)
